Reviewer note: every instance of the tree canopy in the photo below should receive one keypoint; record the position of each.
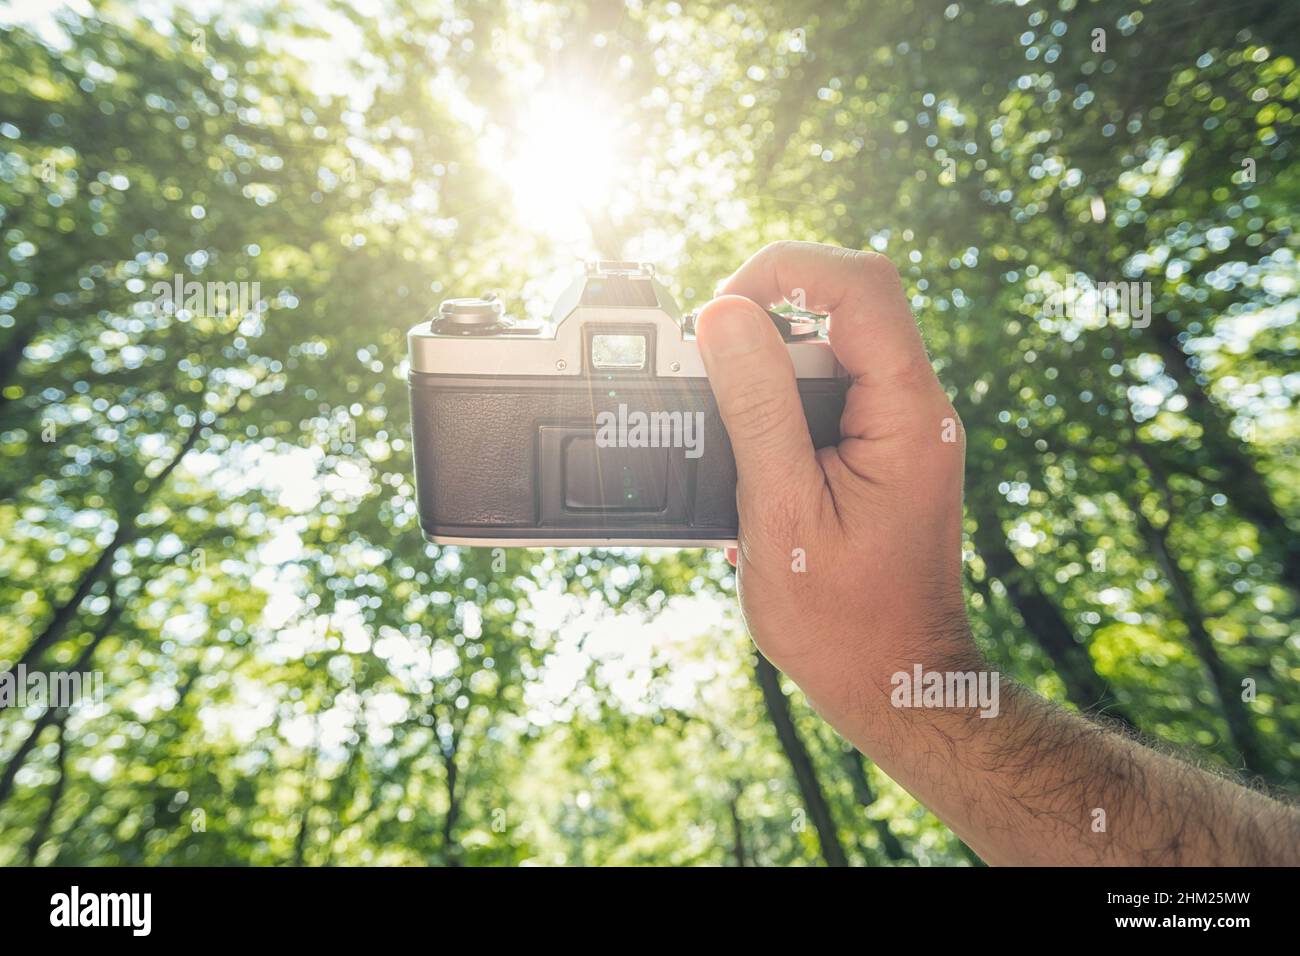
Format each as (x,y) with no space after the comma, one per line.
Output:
(214,506)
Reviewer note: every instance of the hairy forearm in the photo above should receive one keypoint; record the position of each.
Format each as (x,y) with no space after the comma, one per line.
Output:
(1036,785)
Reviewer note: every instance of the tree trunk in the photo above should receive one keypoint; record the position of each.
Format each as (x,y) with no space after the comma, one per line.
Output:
(58,624)
(1043,619)
(341,791)
(450,850)
(308,804)
(1182,592)
(64,615)
(737,827)
(11,353)
(814,799)
(42,831)
(24,750)
(866,796)
(1226,687)
(51,713)
(165,743)
(1239,477)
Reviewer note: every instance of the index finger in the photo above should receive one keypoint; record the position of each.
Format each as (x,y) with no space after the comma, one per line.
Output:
(871,326)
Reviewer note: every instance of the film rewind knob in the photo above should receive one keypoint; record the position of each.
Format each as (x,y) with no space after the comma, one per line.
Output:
(470,316)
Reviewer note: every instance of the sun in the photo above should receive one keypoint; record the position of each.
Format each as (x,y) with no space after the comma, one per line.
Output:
(562,162)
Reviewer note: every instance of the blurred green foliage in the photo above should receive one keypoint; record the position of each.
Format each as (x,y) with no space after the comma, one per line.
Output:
(216,511)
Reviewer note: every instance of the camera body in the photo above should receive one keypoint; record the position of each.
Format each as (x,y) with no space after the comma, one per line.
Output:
(597,427)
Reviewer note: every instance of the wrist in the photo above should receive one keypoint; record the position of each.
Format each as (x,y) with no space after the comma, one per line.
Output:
(930,686)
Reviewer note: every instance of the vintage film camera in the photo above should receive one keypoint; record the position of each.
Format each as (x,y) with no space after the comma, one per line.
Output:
(597,427)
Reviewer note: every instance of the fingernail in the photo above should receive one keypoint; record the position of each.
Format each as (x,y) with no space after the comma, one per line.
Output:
(729,329)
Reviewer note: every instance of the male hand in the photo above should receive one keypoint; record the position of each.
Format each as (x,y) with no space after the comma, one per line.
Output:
(877,520)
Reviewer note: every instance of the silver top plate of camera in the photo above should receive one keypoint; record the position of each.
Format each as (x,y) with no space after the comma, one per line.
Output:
(617,318)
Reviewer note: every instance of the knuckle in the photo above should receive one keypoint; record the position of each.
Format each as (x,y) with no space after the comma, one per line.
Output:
(776,252)
(879,268)
(917,375)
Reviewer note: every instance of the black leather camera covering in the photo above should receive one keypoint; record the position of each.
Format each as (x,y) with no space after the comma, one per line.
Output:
(516,458)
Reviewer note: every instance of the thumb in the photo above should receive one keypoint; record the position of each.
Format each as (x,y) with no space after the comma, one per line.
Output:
(754,385)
